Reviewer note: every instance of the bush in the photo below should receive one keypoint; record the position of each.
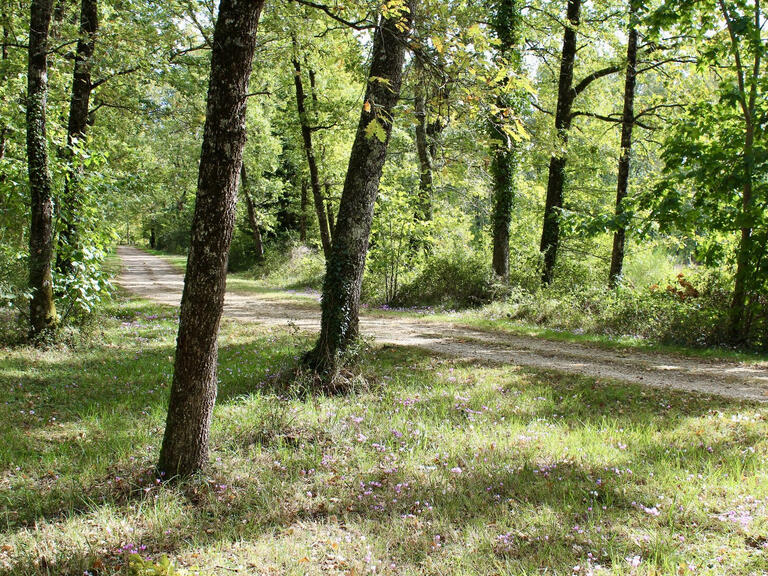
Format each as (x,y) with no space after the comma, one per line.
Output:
(458,278)
(690,309)
(291,265)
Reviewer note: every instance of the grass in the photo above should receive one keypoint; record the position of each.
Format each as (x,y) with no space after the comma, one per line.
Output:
(433,466)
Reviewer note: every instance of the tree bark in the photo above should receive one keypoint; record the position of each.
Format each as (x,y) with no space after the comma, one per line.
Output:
(76,128)
(506,24)
(329,209)
(314,176)
(42,310)
(627,124)
(503,165)
(346,264)
(424,204)
(303,216)
(550,234)
(4,56)
(255,231)
(193,392)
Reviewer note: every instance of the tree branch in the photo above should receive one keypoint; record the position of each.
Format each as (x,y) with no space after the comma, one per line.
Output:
(363,24)
(596,75)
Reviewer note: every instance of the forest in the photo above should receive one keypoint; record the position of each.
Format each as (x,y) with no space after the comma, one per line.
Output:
(384,286)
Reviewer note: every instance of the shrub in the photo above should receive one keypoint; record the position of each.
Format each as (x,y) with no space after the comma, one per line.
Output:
(457,278)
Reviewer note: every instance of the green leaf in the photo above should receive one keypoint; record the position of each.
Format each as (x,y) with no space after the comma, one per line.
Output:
(375,128)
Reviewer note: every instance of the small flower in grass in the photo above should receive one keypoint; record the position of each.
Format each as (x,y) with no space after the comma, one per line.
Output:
(634,561)
(456,470)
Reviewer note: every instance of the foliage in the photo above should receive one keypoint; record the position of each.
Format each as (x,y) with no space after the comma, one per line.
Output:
(452,278)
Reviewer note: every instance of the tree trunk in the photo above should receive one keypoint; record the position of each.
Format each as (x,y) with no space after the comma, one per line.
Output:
(257,243)
(4,56)
(738,316)
(303,217)
(345,267)
(503,164)
(424,204)
(76,128)
(314,177)
(42,310)
(550,234)
(627,124)
(506,25)
(193,392)
(329,209)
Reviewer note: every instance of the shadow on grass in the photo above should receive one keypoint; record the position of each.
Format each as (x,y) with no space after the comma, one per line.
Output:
(109,403)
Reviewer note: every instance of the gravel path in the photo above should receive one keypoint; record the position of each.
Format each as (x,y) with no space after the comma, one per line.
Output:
(155,279)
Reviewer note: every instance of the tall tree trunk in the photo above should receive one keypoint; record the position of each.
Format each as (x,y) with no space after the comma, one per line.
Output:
(258,245)
(314,176)
(424,203)
(345,267)
(193,392)
(303,216)
(506,24)
(76,128)
(3,57)
(627,124)
(550,234)
(503,165)
(738,324)
(42,310)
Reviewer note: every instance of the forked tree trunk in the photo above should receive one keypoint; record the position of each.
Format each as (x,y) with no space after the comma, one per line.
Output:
(258,245)
(550,234)
(345,267)
(193,392)
(42,310)
(627,124)
(76,127)
(314,176)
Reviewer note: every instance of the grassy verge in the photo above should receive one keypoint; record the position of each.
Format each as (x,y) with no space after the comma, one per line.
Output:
(434,467)
(481,320)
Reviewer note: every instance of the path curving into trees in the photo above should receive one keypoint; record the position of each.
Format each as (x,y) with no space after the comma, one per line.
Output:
(154,278)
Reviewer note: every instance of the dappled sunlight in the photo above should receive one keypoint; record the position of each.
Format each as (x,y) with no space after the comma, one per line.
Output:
(437,461)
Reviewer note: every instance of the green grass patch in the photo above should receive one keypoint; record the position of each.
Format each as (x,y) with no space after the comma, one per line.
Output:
(436,466)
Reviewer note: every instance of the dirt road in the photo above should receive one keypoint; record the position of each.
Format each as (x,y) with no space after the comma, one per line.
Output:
(155,279)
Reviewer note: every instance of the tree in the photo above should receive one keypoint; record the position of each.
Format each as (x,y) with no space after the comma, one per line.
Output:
(193,391)
(423,152)
(748,81)
(258,245)
(346,264)
(506,25)
(42,309)
(567,93)
(76,129)
(314,176)
(627,124)
(718,149)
